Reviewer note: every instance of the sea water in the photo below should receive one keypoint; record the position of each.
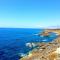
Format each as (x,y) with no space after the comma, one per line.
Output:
(13,41)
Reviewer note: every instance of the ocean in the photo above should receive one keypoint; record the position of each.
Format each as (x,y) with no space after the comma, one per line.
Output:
(13,41)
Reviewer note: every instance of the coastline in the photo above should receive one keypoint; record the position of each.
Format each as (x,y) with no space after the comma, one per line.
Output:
(45,49)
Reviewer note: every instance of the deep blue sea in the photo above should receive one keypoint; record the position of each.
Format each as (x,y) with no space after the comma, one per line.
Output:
(13,41)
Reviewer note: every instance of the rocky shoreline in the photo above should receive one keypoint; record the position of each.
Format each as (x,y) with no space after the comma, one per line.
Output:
(45,51)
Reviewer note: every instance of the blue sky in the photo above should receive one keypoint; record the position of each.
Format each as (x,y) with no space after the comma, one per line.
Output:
(29,13)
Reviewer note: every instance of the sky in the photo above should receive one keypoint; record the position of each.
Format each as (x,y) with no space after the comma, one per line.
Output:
(29,13)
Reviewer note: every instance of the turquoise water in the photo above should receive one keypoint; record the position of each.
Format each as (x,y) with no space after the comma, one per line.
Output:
(13,41)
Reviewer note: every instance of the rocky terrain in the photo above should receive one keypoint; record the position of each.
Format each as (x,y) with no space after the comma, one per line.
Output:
(46,51)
